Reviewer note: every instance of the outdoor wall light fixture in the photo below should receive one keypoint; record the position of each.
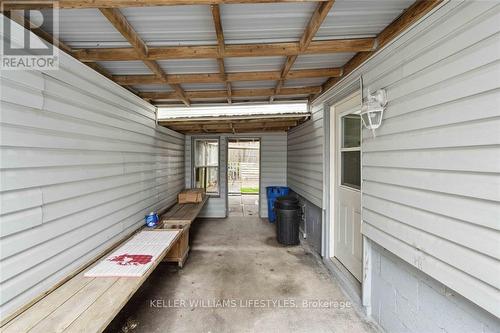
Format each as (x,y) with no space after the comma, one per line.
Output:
(373,108)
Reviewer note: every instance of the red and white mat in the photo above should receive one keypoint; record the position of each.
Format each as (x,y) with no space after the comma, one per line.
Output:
(136,256)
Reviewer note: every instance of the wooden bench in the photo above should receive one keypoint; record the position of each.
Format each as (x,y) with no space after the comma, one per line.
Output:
(183,213)
(88,305)
(81,304)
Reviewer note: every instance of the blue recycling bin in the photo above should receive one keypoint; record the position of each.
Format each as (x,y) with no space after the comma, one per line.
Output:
(273,193)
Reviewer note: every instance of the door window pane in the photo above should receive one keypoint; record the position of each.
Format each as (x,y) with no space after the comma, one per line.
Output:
(351,169)
(351,131)
(206,165)
(350,151)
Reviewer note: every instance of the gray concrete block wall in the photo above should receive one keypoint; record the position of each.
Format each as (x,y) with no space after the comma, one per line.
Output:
(311,225)
(406,300)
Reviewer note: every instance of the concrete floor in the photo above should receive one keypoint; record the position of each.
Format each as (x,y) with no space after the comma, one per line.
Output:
(243,205)
(237,260)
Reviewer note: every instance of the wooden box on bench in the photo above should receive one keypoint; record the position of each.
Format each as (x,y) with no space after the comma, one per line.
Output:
(179,251)
(194,195)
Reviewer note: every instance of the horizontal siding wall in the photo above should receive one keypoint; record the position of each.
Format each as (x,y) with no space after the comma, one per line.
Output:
(82,162)
(305,158)
(273,169)
(431,176)
(273,165)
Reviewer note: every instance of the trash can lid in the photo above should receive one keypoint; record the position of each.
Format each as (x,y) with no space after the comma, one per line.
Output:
(287,202)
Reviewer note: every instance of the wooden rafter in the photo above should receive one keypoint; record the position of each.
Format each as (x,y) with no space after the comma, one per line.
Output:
(234,50)
(116,18)
(313,26)
(220,43)
(411,15)
(230,77)
(218,94)
(80,4)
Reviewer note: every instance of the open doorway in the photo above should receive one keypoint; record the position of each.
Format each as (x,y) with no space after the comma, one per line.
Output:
(243,176)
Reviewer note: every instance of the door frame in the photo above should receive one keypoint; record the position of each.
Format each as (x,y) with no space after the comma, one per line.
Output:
(235,137)
(360,291)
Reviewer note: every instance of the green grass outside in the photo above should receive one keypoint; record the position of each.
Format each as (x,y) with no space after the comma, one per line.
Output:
(249,190)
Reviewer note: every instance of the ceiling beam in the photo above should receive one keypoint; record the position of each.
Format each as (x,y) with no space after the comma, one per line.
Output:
(231,124)
(233,50)
(220,43)
(409,17)
(116,18)
(230,77)
(209,94)
(313,26)
(81,4)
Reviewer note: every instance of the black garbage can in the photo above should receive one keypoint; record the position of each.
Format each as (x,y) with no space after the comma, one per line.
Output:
(287,220)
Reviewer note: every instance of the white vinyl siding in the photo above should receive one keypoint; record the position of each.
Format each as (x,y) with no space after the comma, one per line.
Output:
(431,176)
(305,158)
(82,162)
(273,165)
(273,168)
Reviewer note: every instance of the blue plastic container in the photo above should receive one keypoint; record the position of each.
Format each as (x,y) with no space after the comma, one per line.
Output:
(273,193)
(151,219)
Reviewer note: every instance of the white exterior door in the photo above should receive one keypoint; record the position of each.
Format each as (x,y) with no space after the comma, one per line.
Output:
(346,184)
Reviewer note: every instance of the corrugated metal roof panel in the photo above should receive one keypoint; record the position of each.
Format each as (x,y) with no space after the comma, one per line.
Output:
(87,28)
(153,87)
(189,66)
(253,84)
(310,61)
(173,25)
(203,86)
(257,23)
(247,64)
(360,18)
(125,67)
(242,23)
(305,82)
